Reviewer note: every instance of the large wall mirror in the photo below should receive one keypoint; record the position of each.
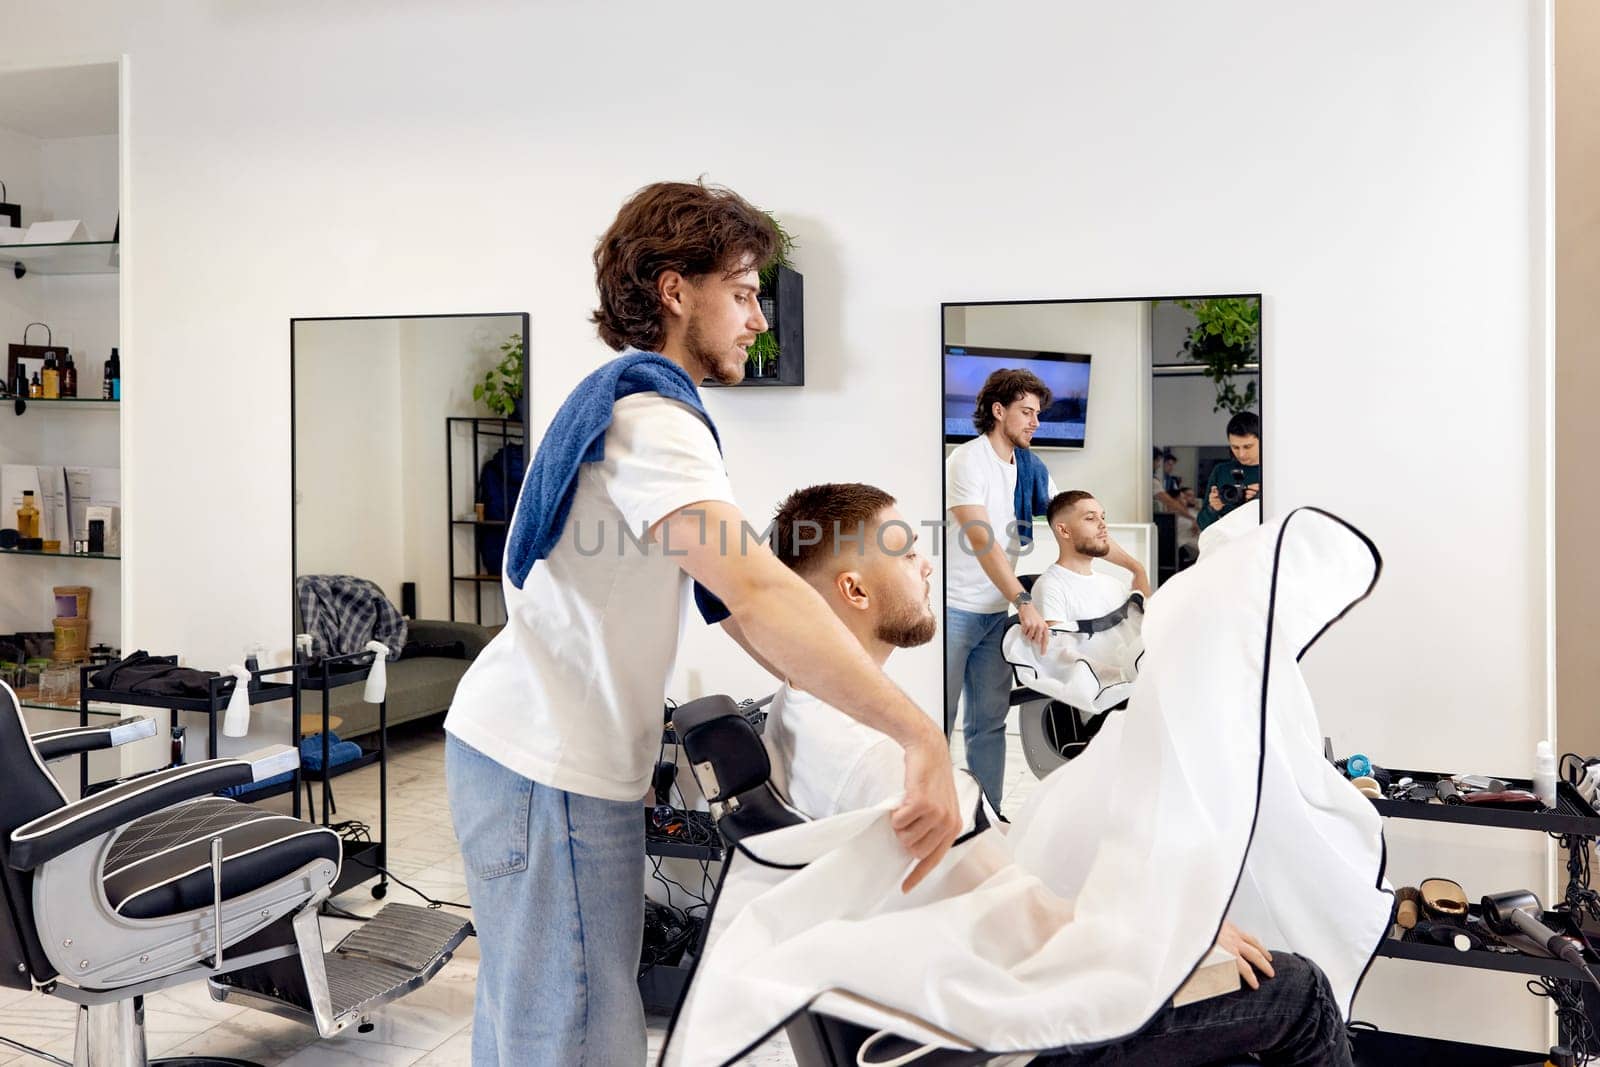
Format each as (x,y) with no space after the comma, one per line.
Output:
(408,455)
(1142,396)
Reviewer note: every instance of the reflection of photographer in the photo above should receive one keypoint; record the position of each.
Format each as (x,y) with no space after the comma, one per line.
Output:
(1232,484)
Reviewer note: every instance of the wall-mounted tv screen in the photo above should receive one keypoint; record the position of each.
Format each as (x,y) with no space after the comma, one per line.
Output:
(1066,374)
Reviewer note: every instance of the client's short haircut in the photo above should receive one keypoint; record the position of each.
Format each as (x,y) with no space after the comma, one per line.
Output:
(1005,387)
(1245,424)
(1062,501)
(810,524)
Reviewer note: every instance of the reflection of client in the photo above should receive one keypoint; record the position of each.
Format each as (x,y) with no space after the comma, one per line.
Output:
(825,763)
(1070,589)
(1232,484)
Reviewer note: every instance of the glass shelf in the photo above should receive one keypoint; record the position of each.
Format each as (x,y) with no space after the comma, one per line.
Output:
(55,555)
(82,403)
(77,257)
(94,709)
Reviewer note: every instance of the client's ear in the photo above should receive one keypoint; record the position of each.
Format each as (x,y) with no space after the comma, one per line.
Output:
(848,585)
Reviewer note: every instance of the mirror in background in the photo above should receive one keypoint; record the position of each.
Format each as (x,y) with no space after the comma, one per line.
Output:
(1205,418)
(1129,382)
(408,455)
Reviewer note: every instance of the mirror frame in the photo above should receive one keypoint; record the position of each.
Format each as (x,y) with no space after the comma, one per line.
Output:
(944,308)
(294,532)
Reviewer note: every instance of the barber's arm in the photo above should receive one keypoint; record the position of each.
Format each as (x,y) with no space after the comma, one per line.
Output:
(972,523)
(731,627)
(793,629)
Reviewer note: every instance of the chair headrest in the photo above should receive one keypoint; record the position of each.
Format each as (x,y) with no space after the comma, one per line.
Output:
(730,763)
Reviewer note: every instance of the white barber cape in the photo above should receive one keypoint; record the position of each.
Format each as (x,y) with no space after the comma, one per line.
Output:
(1092,669)
(1208,798)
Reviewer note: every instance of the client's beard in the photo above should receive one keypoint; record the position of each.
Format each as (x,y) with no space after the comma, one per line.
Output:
(908,629)
(710,359)
(1092,548)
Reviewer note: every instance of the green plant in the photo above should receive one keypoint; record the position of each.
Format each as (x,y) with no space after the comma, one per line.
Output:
(1224,339)
(501,387)
(764,350)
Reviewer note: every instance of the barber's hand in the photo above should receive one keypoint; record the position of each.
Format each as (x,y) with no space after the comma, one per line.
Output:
(1252,490)
(1034,628)
(1214,498)
(1252,955)
(929,818)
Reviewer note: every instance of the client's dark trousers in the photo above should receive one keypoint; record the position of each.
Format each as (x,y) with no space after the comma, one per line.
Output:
(1291,1021)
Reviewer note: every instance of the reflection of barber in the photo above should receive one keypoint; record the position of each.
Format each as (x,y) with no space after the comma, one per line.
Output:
(994,487)
(1233,484)
(555,728)
(1070,589)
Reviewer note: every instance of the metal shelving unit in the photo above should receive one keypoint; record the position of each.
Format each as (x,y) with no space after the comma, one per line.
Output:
(1573,818)
(506,432)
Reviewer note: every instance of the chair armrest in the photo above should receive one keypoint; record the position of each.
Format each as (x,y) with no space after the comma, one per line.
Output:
(72,740)
(441,631)
(67,827)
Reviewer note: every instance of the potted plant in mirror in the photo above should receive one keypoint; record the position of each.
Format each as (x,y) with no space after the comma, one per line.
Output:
(501,388)
(762,361)
(1224,339)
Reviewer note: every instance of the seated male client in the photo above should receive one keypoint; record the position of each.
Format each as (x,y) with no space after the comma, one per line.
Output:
(853,546)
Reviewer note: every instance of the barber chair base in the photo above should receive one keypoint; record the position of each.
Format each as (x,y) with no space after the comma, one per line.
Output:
(395,952)
(112,1035)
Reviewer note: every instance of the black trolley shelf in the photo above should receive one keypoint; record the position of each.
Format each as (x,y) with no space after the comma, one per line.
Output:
(212,705)
(367,859)
(1573,818)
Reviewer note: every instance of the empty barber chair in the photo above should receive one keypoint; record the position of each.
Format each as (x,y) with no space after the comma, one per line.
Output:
(733,770)
(156,881)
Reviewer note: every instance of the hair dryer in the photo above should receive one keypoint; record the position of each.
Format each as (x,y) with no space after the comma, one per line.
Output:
(1519,911)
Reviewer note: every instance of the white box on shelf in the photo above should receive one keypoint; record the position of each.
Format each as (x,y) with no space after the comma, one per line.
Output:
(57,231)
(13,235)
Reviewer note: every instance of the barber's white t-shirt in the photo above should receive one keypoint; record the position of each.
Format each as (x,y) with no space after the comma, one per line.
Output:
(973,474)
(1066,597)
(824,762)
(570,692)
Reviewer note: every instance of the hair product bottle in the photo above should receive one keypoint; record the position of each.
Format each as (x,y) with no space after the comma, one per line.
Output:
(35,388)
(69,377)
(109,387)
(51,377)
(27,517)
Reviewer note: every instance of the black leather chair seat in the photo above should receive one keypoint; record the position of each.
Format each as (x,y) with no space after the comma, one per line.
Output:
(160,865)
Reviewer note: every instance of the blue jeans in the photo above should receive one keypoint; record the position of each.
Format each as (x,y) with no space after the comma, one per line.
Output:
(976,666)
(556,882)
(1291,1021)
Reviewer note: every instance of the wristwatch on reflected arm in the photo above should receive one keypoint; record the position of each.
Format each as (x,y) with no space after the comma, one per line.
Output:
(1024,597)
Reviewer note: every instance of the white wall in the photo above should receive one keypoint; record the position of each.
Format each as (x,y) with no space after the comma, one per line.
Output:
(308,159)
(1181,410)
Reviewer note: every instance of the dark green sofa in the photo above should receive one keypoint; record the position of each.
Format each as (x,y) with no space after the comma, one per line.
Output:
(418,687)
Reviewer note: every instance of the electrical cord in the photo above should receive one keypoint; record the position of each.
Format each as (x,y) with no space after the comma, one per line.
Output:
(1570,1015)
(354,831)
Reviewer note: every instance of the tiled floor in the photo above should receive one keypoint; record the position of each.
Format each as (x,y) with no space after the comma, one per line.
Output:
(430,1028)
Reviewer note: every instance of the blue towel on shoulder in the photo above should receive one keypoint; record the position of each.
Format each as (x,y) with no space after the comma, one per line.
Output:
(1033,492)
(576,436)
